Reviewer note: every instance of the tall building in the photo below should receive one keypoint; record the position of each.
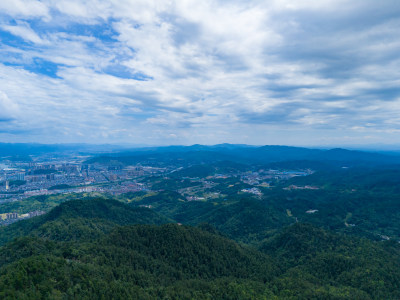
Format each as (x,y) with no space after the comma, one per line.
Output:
(50,176)
(20,176)
(11,216)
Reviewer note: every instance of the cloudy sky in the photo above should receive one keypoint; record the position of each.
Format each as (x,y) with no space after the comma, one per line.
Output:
(310,72)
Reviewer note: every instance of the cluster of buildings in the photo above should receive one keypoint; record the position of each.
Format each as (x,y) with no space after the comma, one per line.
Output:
(254,191)
(297,187)
(19,180)
(8,218)
(264,177)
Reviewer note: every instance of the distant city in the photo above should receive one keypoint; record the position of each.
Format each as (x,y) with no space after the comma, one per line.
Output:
(21,180)
(50,175)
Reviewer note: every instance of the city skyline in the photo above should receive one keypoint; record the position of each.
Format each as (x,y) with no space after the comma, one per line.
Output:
(182,72)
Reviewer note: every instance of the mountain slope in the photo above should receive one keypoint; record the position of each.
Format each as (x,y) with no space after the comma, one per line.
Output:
(370,269)
(134,262)
(80,250)
(79,219)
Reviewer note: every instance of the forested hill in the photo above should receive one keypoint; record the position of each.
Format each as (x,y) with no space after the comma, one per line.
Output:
(81,219)
(87,249)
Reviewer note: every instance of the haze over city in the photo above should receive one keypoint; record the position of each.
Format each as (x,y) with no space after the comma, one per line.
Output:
(185,72)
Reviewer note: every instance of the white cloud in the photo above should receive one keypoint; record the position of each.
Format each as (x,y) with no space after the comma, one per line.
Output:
(24,8)
(195,68)
(8,109)
(24,31)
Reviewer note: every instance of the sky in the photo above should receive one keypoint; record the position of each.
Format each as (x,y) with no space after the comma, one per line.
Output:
(309,73)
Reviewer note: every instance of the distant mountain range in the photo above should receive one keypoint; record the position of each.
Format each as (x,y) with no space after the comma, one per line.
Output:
(202,154)
(197,154)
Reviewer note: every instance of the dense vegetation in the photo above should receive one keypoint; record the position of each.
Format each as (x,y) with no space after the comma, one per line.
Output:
(358,201)
(241,218)
(88,249)
(368,199)
(42,202)
(202,235)
(81,219)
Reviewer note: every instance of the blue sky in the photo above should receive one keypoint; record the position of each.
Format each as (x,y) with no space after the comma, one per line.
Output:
(184,72)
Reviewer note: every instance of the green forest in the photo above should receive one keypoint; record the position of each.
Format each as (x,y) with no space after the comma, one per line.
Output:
(100,248)
(195,234)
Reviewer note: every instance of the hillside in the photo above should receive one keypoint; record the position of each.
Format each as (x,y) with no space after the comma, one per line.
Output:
(134,262)
(81,219)
(80,250)
(241,218)
(367,270)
